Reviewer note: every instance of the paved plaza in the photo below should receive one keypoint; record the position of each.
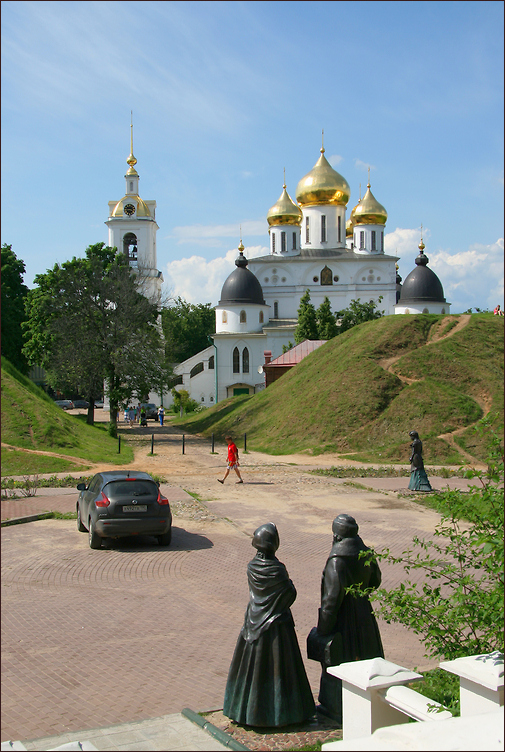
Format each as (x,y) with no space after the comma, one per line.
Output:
(132,632)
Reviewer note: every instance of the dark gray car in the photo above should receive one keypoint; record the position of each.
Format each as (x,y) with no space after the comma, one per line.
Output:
(120,503)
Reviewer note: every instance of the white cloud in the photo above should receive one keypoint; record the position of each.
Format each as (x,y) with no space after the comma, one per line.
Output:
(360,165)
(197,280)
(334,160)
(472,278)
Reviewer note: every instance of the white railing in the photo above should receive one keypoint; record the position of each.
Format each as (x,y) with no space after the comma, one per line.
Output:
(375,698)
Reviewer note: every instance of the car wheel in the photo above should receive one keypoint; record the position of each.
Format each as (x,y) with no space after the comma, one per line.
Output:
(80,526)
(164,540)
(94,540)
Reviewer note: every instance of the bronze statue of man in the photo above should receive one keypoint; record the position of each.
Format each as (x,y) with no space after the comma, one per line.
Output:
(348,618)
(267,684)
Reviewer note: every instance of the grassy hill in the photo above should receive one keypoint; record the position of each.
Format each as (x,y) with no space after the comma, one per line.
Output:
(31,420)
(362,392)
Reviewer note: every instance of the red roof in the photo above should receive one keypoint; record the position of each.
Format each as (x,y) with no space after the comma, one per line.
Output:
(297,353)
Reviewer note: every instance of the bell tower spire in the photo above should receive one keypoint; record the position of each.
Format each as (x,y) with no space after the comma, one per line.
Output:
(132,176)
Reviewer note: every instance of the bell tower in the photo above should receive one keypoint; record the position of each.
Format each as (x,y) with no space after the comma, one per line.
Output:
(132,230)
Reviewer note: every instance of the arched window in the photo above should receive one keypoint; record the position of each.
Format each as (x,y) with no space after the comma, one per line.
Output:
(196,370)
(283,242)
(211,362)
(425,310)
(236,360)
(273,242)
(130,248)
(224,317)
(276,310)
(245,360)
(243,317)
(261,317)
(294,241)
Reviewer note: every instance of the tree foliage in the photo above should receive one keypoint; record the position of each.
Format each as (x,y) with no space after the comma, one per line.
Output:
(326,324)
(307,320)
(357,313)
(14,293)
(458,609)
(88,322)
(186,329)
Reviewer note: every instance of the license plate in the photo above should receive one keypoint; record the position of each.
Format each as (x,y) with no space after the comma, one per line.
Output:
(135,508)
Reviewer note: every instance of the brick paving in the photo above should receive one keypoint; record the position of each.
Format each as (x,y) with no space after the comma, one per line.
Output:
(132,631)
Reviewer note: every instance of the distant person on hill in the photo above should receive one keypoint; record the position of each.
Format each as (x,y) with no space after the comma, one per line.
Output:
(233,463)
(498,311)
(418,478)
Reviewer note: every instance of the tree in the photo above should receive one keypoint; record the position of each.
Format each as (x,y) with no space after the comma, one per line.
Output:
(307,320)
(88,322)
(186,329)
(357,313)
(326,324)
(459,609)
(14,293)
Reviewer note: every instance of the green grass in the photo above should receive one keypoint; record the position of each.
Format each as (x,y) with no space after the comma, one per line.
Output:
(31,420)
(339,399)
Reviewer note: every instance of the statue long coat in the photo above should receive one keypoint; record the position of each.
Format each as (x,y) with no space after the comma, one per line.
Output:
(267,684)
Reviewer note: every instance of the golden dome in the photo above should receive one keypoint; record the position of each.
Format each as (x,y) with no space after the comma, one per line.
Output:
(349,229)
(322,185)
(140,206)
(285,211)
(368,211)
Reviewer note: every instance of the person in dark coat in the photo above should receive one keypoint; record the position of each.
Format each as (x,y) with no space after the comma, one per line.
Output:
(418,478)
(345,613)
(267,684)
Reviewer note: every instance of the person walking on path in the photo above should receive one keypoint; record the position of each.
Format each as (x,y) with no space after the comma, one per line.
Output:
(233,463)
(161,413)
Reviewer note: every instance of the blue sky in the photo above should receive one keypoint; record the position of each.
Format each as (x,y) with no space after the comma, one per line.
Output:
(227,95)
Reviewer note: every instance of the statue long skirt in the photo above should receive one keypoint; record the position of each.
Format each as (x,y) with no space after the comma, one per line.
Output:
(419,480)
(267,684)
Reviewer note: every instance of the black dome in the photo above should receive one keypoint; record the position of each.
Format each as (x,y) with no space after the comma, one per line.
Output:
(242,286)
(422,284)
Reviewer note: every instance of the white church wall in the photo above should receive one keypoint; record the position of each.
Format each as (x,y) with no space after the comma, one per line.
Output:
(316,231)
(228,318)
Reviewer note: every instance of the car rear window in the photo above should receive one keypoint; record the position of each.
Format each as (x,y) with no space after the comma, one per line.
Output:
(120,489)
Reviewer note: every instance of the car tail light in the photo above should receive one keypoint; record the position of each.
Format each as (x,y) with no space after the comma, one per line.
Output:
(161,499)
(103,501)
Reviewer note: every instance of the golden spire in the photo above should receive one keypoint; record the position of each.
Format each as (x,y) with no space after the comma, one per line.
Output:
(421,245)
(131,159)
(322,142)
(284,184)
(368,184)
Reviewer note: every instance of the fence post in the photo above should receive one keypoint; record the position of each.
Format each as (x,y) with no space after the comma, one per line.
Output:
(152,443)
(245,442)
(183,443)
(212,450)
(119,444)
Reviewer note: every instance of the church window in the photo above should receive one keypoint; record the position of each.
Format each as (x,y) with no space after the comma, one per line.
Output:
(243,317)
(307,231)
(273,242)
(326,276)
(443,310)
(212,398)
(130,248)
(315,279)
(323,228)
(236,360)
(261,317)
(276,310)
(362,240)
(245,360)
(374,246)
(382,242)
(339,231)
(225,317)
(425,310)
(336,278)
(131,185)
(211,362)
(196,370)
(283,242)
(294,241)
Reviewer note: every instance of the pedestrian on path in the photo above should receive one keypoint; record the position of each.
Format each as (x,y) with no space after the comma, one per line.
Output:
(161,413)
(233,463)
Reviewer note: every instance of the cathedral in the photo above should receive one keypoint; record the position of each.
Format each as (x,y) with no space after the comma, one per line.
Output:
(312,247)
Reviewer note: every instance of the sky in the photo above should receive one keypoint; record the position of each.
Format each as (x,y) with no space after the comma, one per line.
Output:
(225,96)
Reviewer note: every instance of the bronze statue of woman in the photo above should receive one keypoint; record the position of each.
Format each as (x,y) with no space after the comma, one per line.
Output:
(418,478)
(267,684)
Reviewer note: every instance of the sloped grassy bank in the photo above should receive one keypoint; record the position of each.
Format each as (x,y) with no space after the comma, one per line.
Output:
(349,397)
(31,420)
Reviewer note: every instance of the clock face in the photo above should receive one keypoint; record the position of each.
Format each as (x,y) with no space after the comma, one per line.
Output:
(129,209)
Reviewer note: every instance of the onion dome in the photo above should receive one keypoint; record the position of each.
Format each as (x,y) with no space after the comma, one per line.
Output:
(131,200)
(368,211)
(349,229)
(422,283)
(323,185)
(242,286)
(285,211)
